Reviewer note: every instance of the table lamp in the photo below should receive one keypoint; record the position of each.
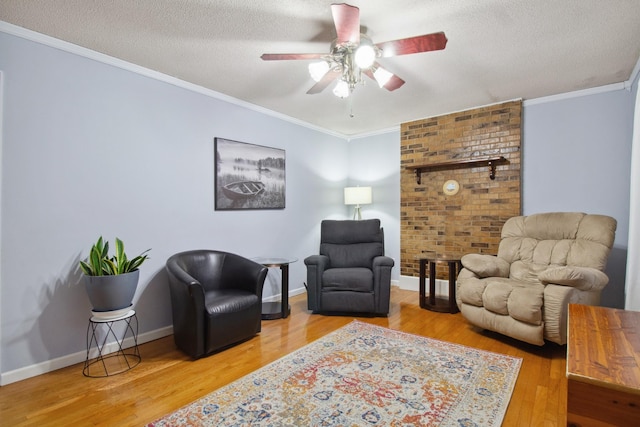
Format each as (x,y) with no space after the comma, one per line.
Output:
(357,196)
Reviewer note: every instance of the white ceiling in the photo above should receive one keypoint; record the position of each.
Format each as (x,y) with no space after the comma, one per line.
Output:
(498,50)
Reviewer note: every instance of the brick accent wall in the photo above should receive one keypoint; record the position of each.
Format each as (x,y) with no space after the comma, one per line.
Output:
(471,220)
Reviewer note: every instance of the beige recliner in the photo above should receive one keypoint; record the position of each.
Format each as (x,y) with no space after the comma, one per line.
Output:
(545,261)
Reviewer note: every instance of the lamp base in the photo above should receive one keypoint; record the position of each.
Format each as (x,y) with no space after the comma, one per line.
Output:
(356,213)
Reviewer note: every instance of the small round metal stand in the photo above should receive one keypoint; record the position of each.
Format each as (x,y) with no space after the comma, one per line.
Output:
(107,363)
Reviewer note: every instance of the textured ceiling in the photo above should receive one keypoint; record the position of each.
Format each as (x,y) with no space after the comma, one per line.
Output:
(498,50)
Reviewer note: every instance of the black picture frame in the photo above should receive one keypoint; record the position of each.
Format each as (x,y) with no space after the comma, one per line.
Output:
(248,176)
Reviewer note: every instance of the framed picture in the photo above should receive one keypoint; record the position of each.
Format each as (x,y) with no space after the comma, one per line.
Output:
(248,176)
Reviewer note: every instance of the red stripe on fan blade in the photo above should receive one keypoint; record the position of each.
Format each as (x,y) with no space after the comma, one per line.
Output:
(347,21)
(417,44)
(280,56)
(326,80)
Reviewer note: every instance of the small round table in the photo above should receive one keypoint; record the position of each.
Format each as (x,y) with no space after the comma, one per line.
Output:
(433,303)
(119,361)
(277,309)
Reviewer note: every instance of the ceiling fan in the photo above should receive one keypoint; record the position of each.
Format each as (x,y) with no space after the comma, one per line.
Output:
(353,54)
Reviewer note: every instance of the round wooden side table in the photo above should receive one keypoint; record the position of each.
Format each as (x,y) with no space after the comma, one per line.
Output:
(433,302)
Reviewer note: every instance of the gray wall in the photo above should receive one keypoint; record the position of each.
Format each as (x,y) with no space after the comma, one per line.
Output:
(632,296)
(576,151)
(89,149)
(576,156)
(374,161)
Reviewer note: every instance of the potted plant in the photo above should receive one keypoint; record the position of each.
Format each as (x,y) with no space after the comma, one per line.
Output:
(111,281)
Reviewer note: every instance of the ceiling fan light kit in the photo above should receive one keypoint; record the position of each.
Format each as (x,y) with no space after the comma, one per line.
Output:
(342,89)
(317,70)
(382,76)
(353,54)
(365,54)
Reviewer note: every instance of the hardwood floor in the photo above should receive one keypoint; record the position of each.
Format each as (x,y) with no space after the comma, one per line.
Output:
(166,379)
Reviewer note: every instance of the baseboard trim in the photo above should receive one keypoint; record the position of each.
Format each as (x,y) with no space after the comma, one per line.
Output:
(75,358)
(411,283)
(80,356)
(292,292)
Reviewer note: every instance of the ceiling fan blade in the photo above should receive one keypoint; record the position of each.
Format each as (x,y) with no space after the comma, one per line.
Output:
(347,21)
(393,83)
(417,44)
(280,56)
(325,81)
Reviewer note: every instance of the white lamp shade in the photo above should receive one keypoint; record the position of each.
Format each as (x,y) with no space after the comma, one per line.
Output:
(357,195)
(365,56)
(382,76)
(341,90)
(317,70)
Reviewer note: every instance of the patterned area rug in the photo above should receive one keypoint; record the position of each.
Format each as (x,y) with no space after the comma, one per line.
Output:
(364,375)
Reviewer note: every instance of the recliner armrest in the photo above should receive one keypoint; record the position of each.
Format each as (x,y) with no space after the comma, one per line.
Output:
(321,262)
(383,261)
(483,265)
(583,278)
(316,265)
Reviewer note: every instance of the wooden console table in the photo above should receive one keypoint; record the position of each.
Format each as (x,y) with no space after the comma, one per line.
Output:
(603,367)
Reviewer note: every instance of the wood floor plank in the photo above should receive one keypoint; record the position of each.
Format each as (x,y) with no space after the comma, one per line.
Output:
(166,379)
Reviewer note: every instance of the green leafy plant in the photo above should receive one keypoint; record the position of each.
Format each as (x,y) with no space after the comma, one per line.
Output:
(99,263)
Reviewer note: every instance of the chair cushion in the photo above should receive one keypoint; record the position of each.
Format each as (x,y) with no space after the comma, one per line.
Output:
(354,255)
(558,238)
(486,265)
(527,271)
(518,299)
(347,279)
(228,300)
(348,232)
(351,243)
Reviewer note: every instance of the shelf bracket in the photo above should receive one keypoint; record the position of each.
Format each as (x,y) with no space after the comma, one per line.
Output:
(418,176)
(492,169)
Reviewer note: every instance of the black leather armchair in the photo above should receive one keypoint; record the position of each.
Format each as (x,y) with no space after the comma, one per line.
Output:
(216,299)
(351,273)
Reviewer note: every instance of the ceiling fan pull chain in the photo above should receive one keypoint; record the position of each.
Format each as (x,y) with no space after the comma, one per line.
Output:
(350,101)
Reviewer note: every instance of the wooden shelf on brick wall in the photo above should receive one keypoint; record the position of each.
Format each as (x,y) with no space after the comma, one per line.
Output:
(489,161)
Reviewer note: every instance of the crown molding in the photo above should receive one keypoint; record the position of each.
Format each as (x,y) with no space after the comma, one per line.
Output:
(106,59)
(575,94)
(62,45)
(633,77)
